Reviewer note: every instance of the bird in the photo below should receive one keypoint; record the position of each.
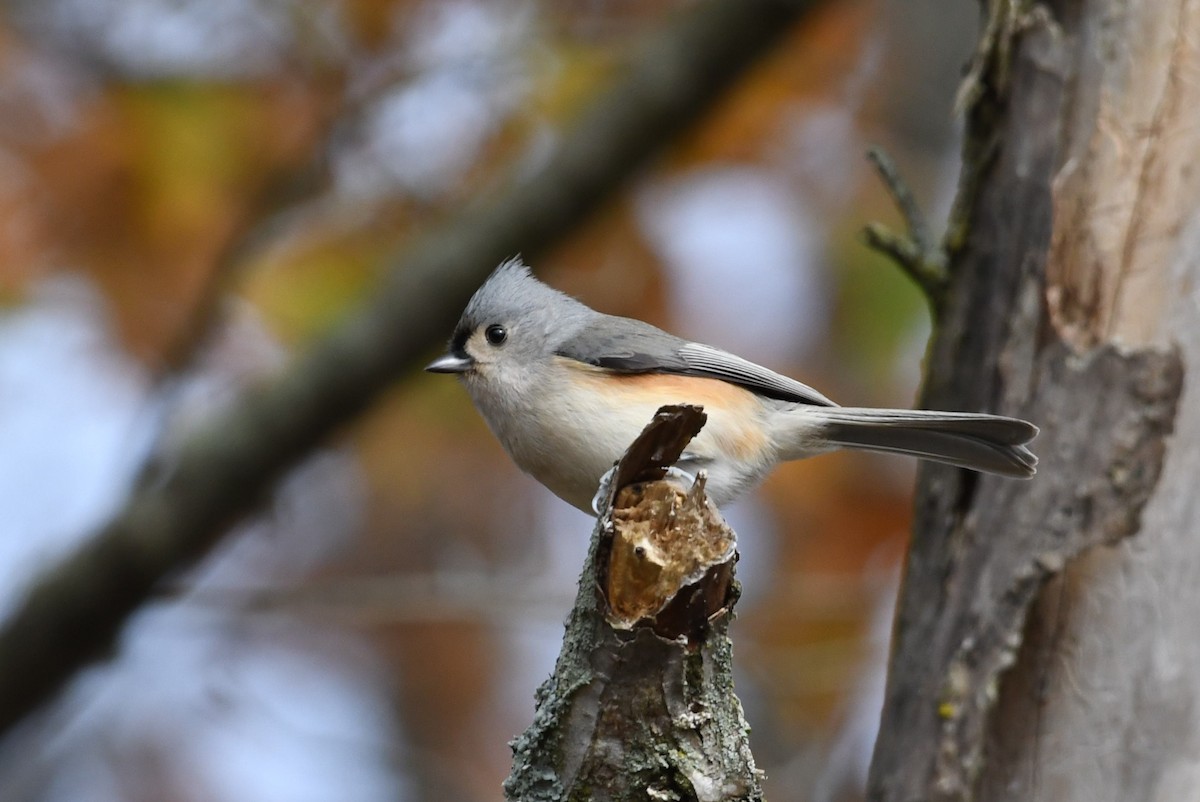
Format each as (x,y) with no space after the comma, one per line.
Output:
(566,389)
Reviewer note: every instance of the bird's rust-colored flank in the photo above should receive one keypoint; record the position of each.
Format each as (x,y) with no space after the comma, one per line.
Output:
(725,403)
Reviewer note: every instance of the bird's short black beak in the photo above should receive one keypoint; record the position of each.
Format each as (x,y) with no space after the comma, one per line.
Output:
(451,363)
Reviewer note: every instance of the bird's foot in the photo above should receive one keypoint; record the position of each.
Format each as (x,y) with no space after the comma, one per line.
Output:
(603,491)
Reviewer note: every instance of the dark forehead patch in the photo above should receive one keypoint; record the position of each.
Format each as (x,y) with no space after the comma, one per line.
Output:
(458,342)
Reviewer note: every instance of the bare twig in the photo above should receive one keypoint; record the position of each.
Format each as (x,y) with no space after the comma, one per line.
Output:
(914,251)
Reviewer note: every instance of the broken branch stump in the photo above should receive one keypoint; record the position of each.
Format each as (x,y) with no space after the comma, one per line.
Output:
(641,703)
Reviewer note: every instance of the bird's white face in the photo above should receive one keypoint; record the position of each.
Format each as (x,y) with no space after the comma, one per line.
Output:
(511,386)
(506,369)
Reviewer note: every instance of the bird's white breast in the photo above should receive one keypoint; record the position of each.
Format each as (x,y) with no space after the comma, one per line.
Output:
(569,429)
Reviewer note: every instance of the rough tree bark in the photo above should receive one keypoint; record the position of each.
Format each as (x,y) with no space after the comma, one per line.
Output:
(1072,300)
(641,703)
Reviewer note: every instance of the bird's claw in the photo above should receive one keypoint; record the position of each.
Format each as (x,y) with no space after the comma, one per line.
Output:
(603,491)
(682,477)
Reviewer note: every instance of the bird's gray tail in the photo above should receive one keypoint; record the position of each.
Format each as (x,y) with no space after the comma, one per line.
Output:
(981,442)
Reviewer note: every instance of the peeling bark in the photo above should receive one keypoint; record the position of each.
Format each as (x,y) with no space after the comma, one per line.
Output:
(641,703)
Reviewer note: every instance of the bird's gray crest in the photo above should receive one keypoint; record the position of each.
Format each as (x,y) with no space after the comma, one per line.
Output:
(512,293)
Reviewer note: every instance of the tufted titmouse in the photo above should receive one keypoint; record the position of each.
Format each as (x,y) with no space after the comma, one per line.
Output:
(566,389)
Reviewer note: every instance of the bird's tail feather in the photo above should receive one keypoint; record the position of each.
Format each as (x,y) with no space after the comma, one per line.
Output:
(981,442)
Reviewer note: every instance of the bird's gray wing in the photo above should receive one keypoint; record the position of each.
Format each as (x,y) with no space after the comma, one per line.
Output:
(625,345)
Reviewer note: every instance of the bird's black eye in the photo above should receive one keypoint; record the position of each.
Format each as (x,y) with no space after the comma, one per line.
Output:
(496,334)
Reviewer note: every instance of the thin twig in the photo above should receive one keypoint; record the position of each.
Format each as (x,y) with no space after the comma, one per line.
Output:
(914,251)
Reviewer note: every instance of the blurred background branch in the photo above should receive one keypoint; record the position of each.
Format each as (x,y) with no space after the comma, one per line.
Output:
(224,469)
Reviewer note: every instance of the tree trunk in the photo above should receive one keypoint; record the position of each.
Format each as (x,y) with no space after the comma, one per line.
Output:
(1074,301)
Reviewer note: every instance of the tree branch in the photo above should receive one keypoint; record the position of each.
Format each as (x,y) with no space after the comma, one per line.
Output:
(641,703)
(180,509)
